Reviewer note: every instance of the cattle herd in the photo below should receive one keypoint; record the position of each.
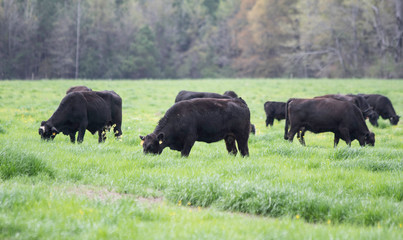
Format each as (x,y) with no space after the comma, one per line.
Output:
(211,117)
(83,109)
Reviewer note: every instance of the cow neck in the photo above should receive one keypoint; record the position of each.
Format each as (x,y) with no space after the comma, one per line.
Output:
(390,110)
(367,111)
(56,120)
(161,124)
(362,127)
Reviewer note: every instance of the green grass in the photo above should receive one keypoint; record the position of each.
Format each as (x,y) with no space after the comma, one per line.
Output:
(59,190)
(15,162)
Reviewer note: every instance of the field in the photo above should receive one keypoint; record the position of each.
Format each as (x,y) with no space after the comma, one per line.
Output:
(59,190)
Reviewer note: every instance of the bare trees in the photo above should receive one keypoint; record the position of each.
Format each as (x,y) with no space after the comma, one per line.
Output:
(62,43)
(347,39)
(399,30)
(268,33)
(78,17)
(18,27)
(196,39)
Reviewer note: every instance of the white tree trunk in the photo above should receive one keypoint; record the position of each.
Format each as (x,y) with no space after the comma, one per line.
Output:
(399,29)
(78,37)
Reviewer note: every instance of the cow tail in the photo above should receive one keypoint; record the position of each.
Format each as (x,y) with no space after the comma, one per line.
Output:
(286,120)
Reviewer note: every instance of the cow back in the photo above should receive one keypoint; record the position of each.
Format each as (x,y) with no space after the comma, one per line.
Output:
(277,109)
(357,100)
(209,118)
(78,89)
(188,95)
(98,111)
(325,114)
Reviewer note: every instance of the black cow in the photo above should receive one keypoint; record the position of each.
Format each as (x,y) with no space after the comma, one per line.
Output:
(383,106)
(78,89)
(78,111)
(360,102)
(201,119)
(318,115)
(187,95)
(115,101)
(274,110)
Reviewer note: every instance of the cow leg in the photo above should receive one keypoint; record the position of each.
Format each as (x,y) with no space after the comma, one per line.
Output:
(187,147)
(301,135)
(80,137)
(117,130)
(243,146)
(81,132)
(345,135)
(292,133)
(230,144)
(102,135)
(269,121)
(72,137)
(336,140)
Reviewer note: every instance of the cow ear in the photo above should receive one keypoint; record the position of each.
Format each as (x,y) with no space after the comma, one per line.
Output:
(142,140)
(54,131)
(160,137)
(370,135)
(43,123)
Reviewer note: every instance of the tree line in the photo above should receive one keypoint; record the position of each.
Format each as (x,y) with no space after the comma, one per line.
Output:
(169,39)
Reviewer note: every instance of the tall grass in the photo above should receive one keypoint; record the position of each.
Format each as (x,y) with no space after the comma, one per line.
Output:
(17,163)
(316,190)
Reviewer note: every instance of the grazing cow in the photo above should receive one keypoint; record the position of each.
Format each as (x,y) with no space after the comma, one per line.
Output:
(115,101)
(318,115)
(78,111)
(78,89)
(360,102)
(383,106)
(187,95)
(274,110)
(201,119)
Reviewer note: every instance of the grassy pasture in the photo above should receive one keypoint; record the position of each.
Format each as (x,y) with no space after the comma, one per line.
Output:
(59,190)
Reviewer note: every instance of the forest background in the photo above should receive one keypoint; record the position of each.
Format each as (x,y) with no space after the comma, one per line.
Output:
(170,39)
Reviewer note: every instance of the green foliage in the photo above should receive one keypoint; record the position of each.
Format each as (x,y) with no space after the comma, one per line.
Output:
(141,60)
(211,6)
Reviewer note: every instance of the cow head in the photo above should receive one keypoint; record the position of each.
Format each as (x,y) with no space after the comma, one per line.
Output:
(152,143)
(230,94)
(47,131)
(394,120)
(252,129)
(370,139)
(373,118)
